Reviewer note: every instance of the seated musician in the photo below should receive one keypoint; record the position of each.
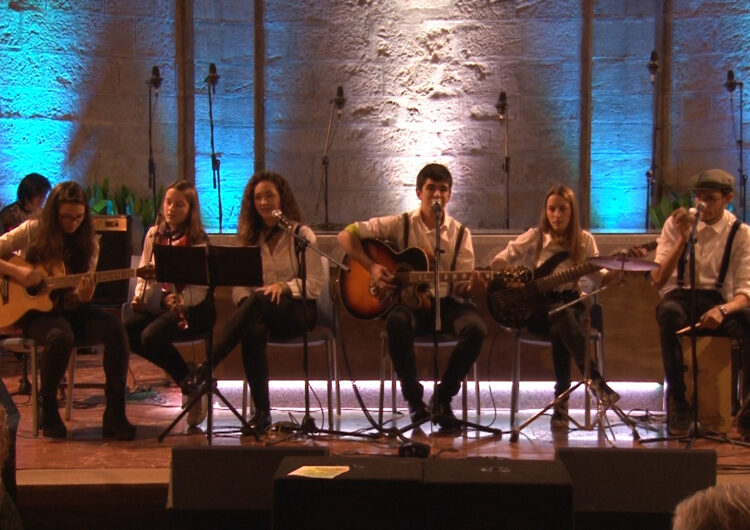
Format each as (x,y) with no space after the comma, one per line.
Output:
(62,238)
(31,192)
(167,313)
(722,273)
(559,231)
(417,229)
(277,309)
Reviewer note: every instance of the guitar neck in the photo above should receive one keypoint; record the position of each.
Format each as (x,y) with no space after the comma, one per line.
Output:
(417,277)
(71,280)
(548,283)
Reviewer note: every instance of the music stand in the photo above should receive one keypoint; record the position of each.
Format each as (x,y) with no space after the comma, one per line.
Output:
(212,266)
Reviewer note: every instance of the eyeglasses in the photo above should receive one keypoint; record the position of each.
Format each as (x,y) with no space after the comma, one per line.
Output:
(68,218)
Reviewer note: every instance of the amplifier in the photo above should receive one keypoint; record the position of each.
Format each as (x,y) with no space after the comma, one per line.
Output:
(115,249)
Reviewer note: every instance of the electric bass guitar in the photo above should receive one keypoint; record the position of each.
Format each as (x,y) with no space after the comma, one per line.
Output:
(512,300)
(363,299)
(17,300)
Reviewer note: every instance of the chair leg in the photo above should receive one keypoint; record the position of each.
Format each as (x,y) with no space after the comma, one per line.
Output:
(336,376)
(71,384)
(244,399)
(464,400)
(34,392)
(515,370)
(329,385)
(476,390)
(381,395)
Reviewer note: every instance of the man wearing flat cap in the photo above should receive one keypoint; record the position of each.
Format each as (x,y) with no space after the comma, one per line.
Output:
(722,282)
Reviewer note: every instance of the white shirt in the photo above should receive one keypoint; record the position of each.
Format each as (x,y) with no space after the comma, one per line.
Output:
(281,266)
(391,228)
(522,251)
(709,251)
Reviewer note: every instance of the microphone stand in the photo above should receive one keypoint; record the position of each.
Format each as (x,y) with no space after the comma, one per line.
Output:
(325,162)
(653,68)
(301,244)
(211,81)
(502,106)
(151,164)
(741,146)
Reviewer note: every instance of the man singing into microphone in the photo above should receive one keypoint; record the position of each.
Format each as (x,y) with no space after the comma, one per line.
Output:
(417,229)
(722,276)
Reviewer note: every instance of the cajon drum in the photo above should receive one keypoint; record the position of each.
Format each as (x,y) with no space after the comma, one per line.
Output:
(714,380)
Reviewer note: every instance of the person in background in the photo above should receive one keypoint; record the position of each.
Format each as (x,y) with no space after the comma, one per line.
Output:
(166,313)
(31,192)
(718,507)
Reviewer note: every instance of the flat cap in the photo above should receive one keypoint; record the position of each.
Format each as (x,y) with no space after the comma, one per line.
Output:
(713,179)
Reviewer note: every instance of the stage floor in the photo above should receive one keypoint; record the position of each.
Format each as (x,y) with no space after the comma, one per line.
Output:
(85,459)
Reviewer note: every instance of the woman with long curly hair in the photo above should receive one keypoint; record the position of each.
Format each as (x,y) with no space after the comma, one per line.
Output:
(276,309)
(559,239)
(167,313)
(62,240)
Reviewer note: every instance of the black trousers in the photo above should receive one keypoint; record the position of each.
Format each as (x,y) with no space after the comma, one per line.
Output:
(403,324)
(152,336)
(673,313)
(257,319)
(568,336)
(87,324)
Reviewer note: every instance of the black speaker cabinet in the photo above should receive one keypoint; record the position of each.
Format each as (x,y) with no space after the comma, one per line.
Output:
(634,488)
(226,487)
(115,249)
(497,493)
(374,492)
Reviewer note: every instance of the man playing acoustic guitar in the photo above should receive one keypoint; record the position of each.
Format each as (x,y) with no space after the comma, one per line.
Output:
(405,320)
(62,240)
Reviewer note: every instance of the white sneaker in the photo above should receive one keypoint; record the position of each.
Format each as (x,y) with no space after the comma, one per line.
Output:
(197,414)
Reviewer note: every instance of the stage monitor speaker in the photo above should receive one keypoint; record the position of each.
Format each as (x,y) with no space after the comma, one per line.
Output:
(634,488)
(374,492)
(226,487)
(497,493)
(115,250)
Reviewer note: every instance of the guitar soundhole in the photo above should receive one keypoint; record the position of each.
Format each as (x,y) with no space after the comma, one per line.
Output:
(35,290)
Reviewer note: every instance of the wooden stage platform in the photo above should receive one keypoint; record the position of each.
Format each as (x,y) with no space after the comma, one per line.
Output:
(87,482)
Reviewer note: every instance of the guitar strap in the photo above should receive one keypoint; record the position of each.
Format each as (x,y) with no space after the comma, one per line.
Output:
(459,238)
(724,260)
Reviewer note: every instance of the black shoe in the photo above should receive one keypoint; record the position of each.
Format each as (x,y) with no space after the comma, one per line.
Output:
(116,425)
(195,379)
(52,424)
(418,411)
(258,424)
(678,416)
(606,396)
(560,418)
(442,414)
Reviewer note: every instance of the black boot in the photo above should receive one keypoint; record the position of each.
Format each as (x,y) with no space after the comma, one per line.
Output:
(114,422)
(52,424)
(259,423)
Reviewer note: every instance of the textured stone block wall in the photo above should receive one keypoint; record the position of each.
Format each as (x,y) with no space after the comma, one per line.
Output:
(73,92)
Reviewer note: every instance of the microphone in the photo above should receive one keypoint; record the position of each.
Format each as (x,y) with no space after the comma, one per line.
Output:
(653,65)
(155,80)
(437,206)
(731,83)
(698,208)
(339,100)
(281,217)
(502,105)
(212,77)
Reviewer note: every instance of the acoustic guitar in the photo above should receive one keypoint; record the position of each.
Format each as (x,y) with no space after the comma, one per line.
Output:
(363,299)
(512,300)
(17,300)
